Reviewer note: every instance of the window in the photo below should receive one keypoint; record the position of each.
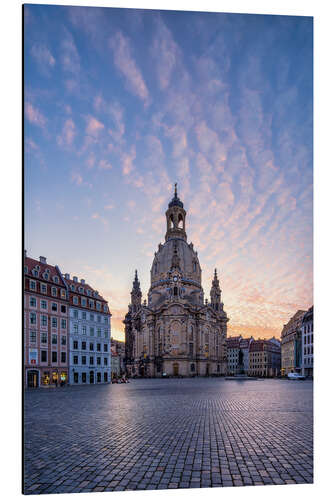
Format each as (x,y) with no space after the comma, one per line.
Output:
(84,360)
(75,344)
(83,301)
(54,291)
(63,357)
(33,302)
(63,323)
(99,319)
(33,336)
(43,304)
(75,328)
(33,318)
(105,308)
(92,331)
(99,377)
(43,338)
(54,356)
(191,350)
(105,348)
(26,269)
(54,323)
(76,378)
(84,346)
(84,330)
(98,347)
(91,346)
(105,361)
(75,300)
(106,320)
(43,356)
(63,293)
(84,315)
(106,334)
(105,377)
(92,317)
(32,285)
(55,279)
(84,378)
(99,332)
(63,309)
(43,288)
(98,360)
(91,303)
(43,320)
(63,340)
(98,306)
(91,360)
(54,307)
(54,338)
(76,314)
(75,360)
(73,288)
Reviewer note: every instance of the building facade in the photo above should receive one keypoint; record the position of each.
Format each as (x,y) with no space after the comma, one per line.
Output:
(89,334)
(177,333)
(265,358)
(307,343)
(118,347)
(46,340)
(236,347)
(291,344)
(115,364)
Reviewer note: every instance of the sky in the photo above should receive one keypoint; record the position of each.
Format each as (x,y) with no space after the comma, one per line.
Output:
(120,104)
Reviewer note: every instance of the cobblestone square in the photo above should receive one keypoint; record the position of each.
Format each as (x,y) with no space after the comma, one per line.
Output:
(166,434)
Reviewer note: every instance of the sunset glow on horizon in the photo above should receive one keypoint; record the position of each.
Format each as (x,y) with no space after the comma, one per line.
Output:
(120,104)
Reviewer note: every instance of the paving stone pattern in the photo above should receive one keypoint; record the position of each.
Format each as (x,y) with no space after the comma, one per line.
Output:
(172,433)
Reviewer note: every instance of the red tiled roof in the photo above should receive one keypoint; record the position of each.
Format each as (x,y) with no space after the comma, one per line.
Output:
(32,263)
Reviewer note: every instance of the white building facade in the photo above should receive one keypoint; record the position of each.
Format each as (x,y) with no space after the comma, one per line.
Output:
(307,343)
(89,335)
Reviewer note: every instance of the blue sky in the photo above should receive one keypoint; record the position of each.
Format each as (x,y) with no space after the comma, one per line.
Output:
(120,104)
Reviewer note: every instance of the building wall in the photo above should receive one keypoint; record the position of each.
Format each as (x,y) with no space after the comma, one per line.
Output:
(45,325)
(89,338)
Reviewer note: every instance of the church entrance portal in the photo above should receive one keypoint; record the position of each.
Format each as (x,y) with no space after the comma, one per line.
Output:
(175,369)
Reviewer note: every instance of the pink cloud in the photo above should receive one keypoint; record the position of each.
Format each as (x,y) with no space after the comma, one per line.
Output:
(34,115)
(93,126)
(124,61)
(68,133)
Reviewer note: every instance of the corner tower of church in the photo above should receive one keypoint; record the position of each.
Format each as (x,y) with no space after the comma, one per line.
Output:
(177,333)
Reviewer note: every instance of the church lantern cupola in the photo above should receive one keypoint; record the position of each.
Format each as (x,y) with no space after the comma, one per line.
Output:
(175,216)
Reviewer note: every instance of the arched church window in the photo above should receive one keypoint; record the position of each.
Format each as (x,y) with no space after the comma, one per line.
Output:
(194,266)
(180,221)
(172,221)
(191,333)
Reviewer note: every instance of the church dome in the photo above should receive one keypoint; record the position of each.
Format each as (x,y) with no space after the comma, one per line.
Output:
(189,264)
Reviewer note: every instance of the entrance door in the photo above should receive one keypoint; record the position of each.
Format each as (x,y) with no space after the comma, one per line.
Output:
(33,378)
(91,377)
(207,369)
(175,369)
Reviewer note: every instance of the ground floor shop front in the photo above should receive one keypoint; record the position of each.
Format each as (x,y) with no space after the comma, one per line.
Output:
(45,377)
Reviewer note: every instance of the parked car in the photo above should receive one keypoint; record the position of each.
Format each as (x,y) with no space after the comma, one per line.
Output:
(295,376)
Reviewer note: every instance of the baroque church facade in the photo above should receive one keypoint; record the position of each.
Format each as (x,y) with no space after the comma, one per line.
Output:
(177,333)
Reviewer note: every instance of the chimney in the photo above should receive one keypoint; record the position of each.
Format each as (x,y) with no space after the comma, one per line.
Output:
(75,279)
(82,282)
(42,260)
(67,276)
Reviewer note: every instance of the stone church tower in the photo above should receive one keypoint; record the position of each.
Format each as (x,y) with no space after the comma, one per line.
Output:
(176,333)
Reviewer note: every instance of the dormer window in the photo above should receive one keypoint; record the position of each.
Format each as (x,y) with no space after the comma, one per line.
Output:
(26,270)
(35,273)
(38,268)
(75,300)
(73,288)
(55,279)
(81,289)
